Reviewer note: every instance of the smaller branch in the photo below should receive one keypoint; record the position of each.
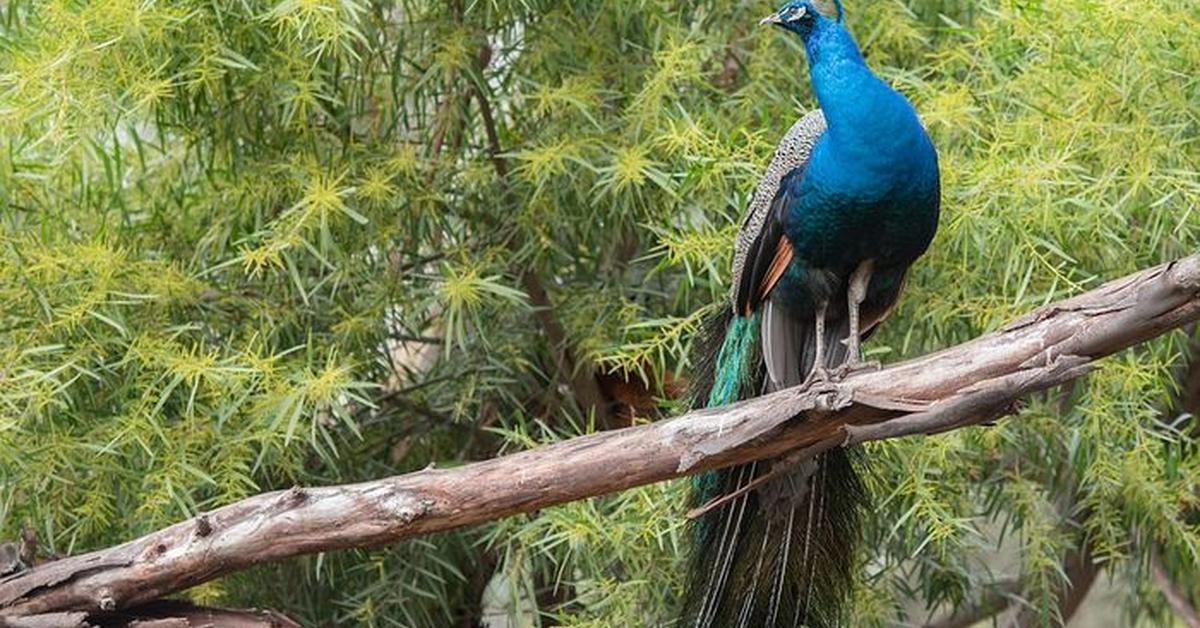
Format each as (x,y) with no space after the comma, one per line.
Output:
(441,123)
(1080,570)
(995,599)
(1176,598)
(1079,567)
(419,408)
(789,462)
(425,340)
(181,614)
(579,376)
(984,401)
(160,614)
(1187,401)
(1079,573)
(489,128)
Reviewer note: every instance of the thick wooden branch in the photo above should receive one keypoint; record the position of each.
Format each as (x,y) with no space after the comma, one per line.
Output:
(963,385)
(159,614)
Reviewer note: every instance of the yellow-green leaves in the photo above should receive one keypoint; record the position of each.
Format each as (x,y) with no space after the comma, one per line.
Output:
(320,26)
(454,53)
(579,93)
(322,201)
(629,170)
(315,399)
(539,164)
(678,61)
(74,68)
(376,186)
(463,290)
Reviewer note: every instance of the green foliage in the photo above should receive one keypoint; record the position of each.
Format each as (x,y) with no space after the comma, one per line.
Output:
(252,243)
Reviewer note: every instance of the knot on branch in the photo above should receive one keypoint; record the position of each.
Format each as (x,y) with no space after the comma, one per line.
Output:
(203,526)
(105,600)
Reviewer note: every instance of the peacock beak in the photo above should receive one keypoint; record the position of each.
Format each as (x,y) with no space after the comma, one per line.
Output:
(773,18)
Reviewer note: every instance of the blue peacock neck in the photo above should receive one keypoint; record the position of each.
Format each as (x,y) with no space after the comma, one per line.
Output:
(861,111)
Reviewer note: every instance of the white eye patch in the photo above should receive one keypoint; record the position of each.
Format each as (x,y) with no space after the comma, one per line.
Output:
(796,13)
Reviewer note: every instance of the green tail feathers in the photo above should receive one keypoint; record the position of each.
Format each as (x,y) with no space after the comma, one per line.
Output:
(734,366)
(783,554)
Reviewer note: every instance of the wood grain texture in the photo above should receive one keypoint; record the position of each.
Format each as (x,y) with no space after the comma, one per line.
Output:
(963,385)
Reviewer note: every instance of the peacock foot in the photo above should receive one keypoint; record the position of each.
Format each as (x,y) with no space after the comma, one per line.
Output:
(827,394)
(850,367)
(818,377)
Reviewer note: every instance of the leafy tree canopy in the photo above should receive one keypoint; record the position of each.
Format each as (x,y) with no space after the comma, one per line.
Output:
(248,244)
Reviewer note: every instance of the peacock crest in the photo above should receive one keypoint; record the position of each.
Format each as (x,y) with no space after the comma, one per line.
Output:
(829,8)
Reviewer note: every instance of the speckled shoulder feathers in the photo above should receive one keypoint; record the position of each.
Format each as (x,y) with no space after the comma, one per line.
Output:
(793,151)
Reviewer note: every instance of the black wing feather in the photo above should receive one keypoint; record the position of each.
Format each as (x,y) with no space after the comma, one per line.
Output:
(762,251)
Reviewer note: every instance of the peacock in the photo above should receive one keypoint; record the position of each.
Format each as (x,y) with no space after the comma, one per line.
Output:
(848,202)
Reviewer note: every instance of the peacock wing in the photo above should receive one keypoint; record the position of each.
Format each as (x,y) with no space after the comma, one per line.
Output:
(762,250)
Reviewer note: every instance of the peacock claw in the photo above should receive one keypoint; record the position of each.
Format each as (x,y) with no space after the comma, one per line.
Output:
(850,367)
(827,395)
(818,377)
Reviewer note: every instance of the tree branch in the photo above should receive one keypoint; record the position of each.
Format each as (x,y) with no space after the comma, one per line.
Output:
(995,598)
(1079,571)
(1079,574)
(963,385)
(578,374)
(159,614)
(1177,599)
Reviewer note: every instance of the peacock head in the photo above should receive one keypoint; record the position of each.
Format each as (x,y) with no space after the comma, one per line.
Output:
(801,16)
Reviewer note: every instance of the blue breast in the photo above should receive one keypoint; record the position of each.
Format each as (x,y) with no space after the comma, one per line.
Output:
(870,188)
(843,213)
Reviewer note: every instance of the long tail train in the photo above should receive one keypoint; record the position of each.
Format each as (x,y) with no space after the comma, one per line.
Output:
(782,554)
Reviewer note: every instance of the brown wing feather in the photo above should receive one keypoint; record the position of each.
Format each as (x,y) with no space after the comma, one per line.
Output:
(757,244)
(779,264)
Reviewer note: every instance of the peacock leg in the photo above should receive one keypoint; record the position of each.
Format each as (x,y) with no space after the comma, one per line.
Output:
(819,372)
(856,293)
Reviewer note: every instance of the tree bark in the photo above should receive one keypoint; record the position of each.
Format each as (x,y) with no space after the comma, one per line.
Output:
(963,385)
(159,614)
